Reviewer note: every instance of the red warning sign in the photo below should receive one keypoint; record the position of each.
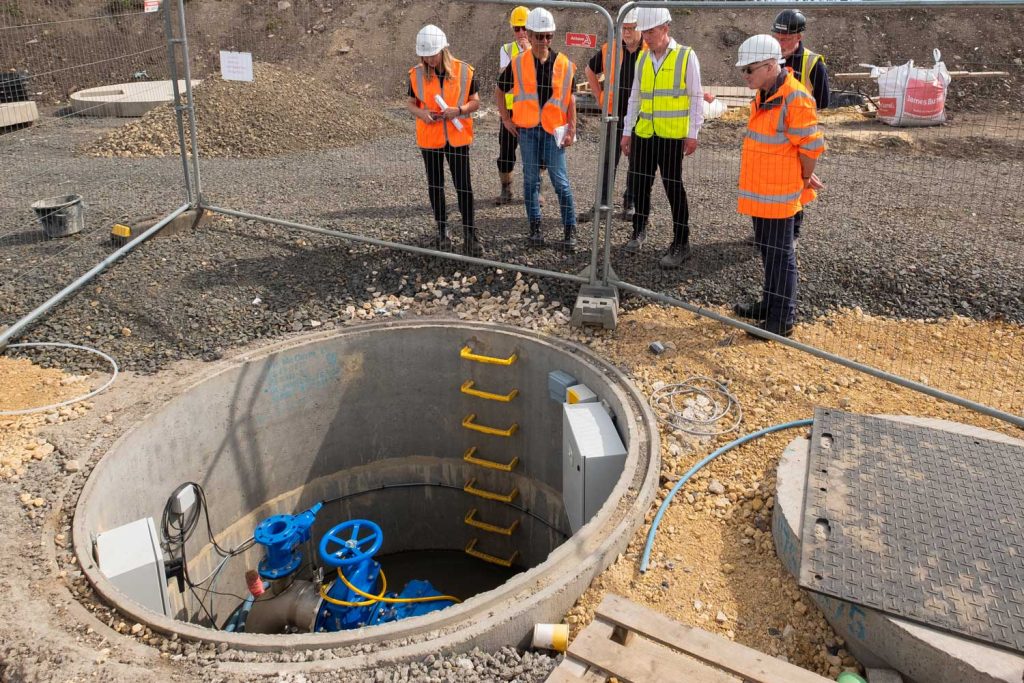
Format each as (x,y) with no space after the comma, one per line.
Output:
(151,5)
(581,40)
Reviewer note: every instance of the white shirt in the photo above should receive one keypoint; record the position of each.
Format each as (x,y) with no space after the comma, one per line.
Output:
(693,89)
(504,58)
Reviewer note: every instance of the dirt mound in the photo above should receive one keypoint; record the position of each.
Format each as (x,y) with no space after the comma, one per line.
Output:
(281,111)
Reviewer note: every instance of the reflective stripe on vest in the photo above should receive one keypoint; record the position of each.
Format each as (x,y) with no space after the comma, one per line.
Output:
(613,69)
(807,63)
(664,100)
(435,134)
(526,109)
(770,183)
(511,49)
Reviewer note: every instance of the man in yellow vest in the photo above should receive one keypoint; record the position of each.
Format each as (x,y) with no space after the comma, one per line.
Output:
(507,142)
(665,113)
(544,119)
(780,152)
(808,67)
(622,81)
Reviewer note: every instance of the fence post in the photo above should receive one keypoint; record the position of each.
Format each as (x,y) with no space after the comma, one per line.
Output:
(172,69)
(190,106)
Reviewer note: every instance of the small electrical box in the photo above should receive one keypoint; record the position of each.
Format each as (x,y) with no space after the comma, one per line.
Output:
(580,393)
(130,557)
(593,459)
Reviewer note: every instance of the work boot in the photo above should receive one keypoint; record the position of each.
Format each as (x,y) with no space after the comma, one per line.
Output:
(568,241)
(636,242)
(470,244)
(676,254)
(506,189)
(536,239)
(588,214)
(444,240)
(778,328)
(757,310)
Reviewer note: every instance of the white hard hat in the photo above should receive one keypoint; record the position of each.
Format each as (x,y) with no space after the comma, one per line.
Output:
(630,17)
(651,17)
(540,20)
(430,40)
(759,48)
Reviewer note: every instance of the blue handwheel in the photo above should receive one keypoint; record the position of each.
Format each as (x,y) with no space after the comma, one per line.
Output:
(355,540)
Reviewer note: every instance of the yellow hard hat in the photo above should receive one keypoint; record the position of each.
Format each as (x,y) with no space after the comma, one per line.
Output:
(519,15)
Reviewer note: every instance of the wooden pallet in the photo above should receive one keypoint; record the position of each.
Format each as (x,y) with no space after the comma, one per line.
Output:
(637,645)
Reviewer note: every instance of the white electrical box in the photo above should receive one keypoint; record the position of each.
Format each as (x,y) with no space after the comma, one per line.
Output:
(593,458)
(131,558)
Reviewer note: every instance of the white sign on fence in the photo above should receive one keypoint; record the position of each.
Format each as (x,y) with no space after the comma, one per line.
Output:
(151,5)
(235,66)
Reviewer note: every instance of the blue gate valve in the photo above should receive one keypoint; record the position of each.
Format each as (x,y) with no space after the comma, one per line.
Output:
(281,535)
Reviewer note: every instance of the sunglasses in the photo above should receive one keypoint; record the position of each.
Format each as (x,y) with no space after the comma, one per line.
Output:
(747,70)
(543,36)
(518,29)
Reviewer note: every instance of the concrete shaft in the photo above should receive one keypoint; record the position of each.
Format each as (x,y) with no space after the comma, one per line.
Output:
(370,420)
(922,654)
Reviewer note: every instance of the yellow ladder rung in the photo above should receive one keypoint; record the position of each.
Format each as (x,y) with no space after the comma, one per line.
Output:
(468,354)
(467,388)
(486,557)
(489,464)
(468,423)
(472,521)
(490,495)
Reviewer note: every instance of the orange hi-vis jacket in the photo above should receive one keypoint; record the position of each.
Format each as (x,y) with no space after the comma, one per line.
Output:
(526,109)
(780,129)
(435,134)
(612,75)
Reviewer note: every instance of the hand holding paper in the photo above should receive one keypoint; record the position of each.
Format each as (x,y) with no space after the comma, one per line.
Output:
(444,105)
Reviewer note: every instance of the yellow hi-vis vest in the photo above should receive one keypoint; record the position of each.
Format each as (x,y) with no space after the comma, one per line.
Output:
(511,49)
(664,100)
(807,63)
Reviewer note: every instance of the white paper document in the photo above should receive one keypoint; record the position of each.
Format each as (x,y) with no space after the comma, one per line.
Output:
(236,66)
(441,103)
(560,134)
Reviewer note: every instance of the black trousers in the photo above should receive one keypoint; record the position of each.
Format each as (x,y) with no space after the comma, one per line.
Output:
(627,197)
(507,144)
(654,154)
(798,221)
(458,163)
(774,237)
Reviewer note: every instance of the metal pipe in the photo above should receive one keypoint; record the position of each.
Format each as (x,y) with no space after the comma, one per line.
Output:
(172,67)
(17,328)
(1015,420)
(295,606)
(193,134)
(540,272)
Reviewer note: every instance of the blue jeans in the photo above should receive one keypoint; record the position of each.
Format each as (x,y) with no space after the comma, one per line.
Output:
(774,237)
(536,145)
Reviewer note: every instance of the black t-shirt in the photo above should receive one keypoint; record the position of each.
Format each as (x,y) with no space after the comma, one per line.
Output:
(626,73)
(544,77)
(441,77)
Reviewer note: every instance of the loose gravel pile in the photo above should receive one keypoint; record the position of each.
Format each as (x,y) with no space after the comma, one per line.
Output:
(281,111)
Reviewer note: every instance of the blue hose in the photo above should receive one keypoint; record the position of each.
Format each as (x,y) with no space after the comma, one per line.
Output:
(646,558)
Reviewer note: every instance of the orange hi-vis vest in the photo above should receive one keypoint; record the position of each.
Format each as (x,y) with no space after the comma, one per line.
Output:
(611,75)
(780,129)
(455,93)
(526,109)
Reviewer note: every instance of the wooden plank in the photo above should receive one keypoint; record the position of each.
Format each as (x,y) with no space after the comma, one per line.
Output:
(574,671)
(641,661)
(955,74)
(721,652)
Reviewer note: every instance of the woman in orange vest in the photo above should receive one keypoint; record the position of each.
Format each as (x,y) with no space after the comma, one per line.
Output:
(442,95)
(780,151)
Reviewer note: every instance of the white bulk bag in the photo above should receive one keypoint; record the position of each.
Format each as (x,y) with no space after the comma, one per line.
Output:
(912,96)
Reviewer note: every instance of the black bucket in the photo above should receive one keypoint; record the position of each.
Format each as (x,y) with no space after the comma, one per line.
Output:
(61,216)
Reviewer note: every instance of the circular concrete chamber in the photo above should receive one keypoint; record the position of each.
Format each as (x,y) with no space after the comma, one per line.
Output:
(376,423)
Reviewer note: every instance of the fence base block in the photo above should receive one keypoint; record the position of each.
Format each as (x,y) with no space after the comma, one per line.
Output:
(596,305)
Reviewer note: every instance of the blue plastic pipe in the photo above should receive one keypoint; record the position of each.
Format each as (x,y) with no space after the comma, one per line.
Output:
(646,558)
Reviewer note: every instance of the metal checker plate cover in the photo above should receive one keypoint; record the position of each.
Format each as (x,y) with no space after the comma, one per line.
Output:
(918,523)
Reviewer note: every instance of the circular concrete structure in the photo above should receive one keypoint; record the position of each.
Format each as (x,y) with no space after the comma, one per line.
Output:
(125,99)
(371,422)
(877,640)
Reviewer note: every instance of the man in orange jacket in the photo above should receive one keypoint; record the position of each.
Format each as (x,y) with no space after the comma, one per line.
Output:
(780,150)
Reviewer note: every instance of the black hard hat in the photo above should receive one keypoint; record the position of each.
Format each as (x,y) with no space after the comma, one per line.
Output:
(789,21)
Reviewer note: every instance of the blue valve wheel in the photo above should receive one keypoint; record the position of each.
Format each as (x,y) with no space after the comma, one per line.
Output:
(354,541)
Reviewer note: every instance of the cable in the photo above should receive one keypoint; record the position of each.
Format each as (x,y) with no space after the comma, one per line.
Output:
(364,603)
(646,557)
(377,598)
(85,397)
(663,403)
